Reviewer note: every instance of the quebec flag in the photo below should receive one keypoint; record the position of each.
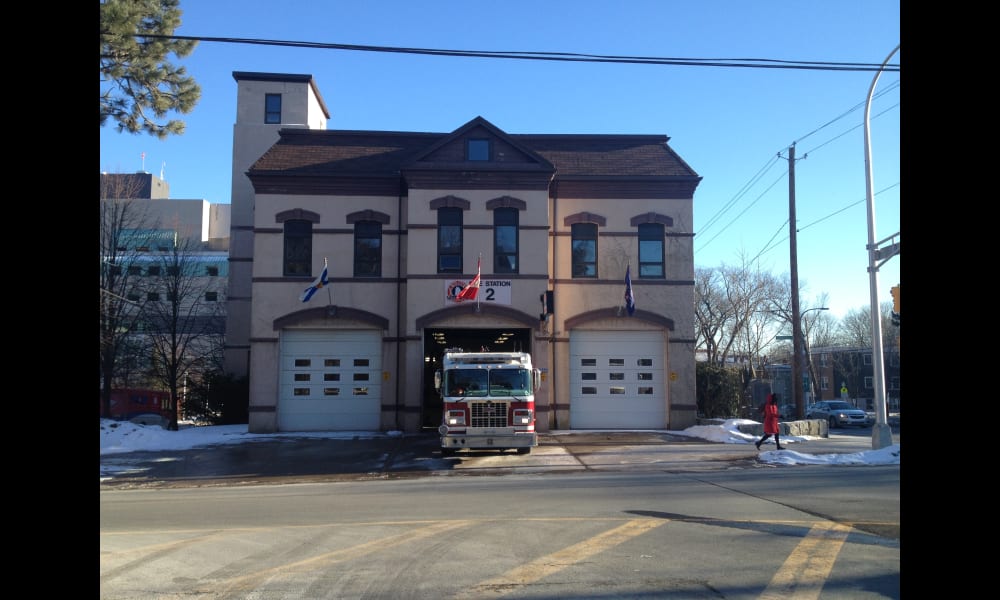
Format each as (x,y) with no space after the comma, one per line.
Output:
(320,282)
(629,298)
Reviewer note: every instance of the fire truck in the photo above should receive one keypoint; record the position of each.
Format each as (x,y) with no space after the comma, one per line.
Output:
(488,401)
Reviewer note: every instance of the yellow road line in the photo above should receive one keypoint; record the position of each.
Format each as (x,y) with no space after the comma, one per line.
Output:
(514,579)
(247,583)
(803,573)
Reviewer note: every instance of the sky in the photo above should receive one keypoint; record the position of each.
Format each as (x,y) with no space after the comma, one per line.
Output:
(734,126)
(118,437)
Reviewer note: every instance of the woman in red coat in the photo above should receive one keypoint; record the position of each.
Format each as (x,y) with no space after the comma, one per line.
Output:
(770,422)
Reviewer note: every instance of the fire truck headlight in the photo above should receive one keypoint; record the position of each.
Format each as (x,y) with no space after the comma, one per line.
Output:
(455,417)
(522,416)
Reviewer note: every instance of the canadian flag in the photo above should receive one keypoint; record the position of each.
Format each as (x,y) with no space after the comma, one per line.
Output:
(470,291)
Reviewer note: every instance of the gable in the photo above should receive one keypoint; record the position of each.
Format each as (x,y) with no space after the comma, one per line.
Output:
(504,152)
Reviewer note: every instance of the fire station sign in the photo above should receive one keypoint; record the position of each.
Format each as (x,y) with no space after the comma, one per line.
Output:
(496,291)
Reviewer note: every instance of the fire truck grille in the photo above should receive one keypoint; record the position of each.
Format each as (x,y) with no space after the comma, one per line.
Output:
(489,414)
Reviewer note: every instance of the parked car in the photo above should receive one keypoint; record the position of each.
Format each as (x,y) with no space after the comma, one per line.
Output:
(837,413)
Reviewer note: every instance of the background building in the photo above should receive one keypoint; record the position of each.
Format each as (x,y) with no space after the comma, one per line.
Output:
(165,269)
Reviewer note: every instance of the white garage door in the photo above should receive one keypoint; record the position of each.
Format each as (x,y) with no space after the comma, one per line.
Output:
(616,380)
(331,380)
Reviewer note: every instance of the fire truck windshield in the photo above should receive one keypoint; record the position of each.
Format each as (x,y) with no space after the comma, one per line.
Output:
(494,382)
(510,382)
(466,382)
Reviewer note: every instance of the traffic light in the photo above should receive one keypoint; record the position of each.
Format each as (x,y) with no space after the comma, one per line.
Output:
(895,304)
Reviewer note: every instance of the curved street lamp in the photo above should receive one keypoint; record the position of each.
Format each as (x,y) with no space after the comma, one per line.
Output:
(881,433)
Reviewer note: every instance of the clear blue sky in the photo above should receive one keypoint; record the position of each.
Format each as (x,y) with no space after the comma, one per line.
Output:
(734,126)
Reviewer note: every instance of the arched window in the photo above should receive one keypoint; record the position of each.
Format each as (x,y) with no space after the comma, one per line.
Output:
(505,242)
(449,240)
(367,249)
(584,249)
(651,250)
(298,248)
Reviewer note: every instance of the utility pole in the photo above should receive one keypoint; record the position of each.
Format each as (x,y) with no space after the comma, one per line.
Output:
(797,350)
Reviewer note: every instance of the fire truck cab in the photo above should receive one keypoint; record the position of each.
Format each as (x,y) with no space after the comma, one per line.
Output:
(488,401)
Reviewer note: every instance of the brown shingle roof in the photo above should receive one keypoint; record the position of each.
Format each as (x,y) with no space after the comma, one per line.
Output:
(382,153)
(609,155)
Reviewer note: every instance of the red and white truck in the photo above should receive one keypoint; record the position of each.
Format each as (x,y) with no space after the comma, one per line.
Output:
(488,401)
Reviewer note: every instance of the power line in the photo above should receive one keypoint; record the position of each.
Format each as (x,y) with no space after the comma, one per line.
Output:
(755,63)
(757,176)
(774,243)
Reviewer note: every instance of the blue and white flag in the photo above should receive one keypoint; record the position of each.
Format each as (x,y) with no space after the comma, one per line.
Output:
(320,282)
(629,298)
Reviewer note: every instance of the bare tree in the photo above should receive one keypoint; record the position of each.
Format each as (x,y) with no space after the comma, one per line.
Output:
(124,230)
(711,313)
(186,322)
(856,327)
(752,292)
(732,313)
(814,324)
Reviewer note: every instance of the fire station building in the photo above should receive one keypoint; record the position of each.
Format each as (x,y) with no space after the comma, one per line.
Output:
(404,220)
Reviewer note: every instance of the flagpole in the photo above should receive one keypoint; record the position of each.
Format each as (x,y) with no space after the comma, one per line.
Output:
(329,292)
(479,272)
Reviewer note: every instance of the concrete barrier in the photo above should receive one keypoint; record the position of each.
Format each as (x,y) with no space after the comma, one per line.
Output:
(810,427)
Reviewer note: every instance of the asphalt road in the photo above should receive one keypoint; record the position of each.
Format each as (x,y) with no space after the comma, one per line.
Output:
(766,531)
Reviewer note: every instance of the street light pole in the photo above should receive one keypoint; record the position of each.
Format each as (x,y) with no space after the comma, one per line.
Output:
(881,433)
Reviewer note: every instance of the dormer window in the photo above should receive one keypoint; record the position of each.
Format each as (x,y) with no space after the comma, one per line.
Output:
(477,150)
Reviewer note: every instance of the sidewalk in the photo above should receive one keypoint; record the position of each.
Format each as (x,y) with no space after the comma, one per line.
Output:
(292,460)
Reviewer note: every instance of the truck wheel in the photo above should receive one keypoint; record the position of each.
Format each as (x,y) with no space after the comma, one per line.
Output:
(447,452)
(524,450)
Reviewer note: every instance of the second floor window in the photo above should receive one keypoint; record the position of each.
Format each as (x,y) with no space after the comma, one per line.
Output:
(584,249)
(298,248)
(505,240)
(367,249)
(651,250)
(272,108)
(449,240)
